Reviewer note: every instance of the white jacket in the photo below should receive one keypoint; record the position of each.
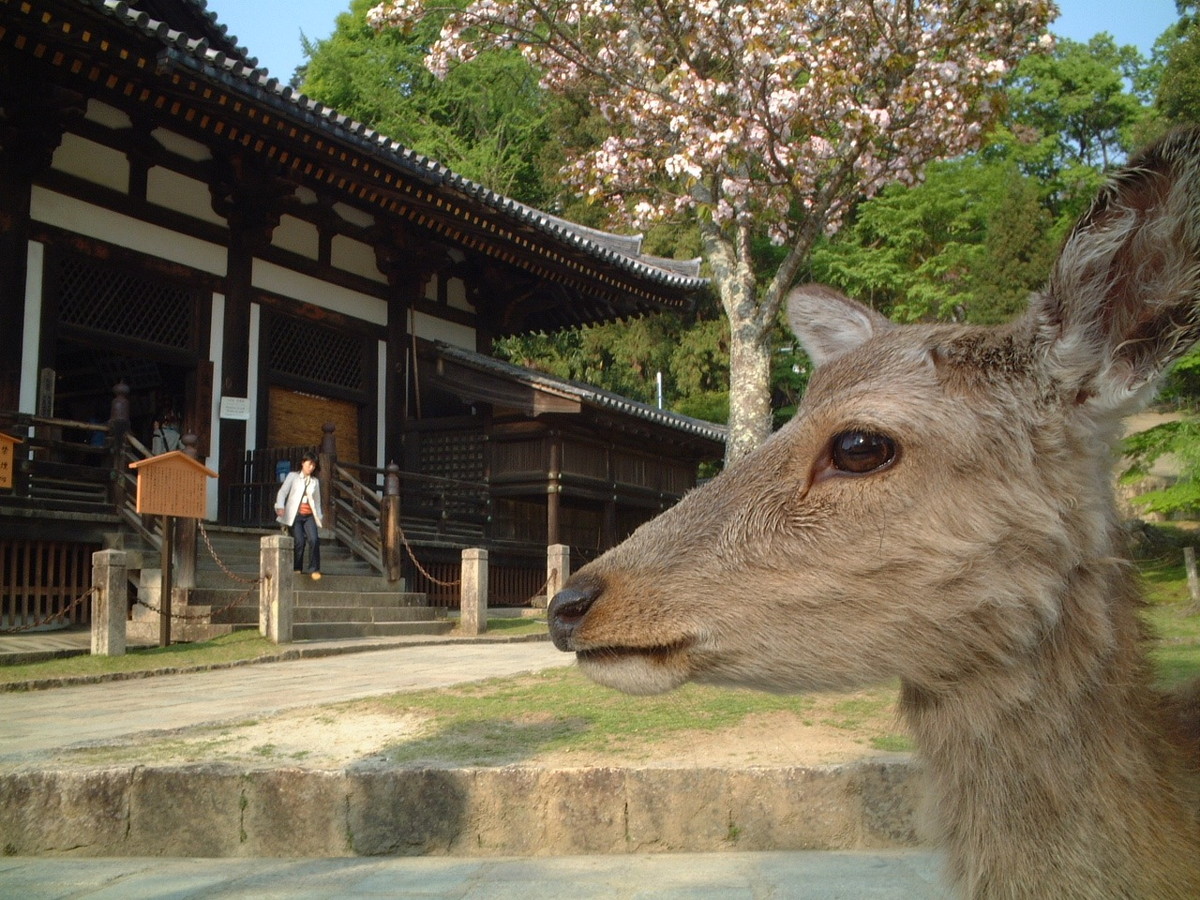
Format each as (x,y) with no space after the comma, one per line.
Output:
(291,492)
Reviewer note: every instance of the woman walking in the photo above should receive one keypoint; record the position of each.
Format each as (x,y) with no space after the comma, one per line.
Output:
(298,505)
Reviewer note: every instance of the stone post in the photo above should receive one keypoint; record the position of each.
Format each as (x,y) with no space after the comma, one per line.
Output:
(276,590)
(473,599)
(558,569)
(389,524)
(110,575)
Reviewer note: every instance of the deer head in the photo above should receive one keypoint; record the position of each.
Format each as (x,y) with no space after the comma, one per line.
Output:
(938,498)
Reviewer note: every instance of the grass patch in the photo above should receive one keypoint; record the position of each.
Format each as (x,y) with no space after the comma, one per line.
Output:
(507,720)
(513,626)
(1176,626)
(240,646)
(236,647)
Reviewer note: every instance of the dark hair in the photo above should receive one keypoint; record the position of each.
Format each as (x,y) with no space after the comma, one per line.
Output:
(312,458)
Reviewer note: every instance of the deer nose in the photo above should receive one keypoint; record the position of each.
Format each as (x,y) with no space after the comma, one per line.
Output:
(566,611)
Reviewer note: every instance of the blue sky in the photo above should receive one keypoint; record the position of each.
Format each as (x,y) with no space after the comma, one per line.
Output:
(271,29)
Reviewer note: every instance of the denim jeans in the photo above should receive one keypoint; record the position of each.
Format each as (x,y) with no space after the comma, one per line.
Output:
(304,531)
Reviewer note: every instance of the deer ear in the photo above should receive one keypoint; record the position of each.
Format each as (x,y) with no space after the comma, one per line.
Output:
(1121,303)
(828,323)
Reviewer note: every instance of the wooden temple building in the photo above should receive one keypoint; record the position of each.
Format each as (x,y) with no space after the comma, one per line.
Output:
(189,247)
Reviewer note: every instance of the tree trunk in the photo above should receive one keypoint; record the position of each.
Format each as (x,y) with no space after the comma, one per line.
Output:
(749,338)
(749,388)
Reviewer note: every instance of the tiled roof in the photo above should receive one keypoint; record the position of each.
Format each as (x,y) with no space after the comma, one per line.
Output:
(216,53)
(584,393)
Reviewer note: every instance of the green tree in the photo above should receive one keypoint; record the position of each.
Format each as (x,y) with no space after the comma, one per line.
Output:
(968,244)
(488,121)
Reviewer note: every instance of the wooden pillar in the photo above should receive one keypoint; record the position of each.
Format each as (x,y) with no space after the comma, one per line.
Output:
(185,537)
(118,429)
(249,201)
(326,477)
(36,115)
(553,489)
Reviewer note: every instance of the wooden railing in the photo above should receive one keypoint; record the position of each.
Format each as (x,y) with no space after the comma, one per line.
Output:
(358,517)
(60,463)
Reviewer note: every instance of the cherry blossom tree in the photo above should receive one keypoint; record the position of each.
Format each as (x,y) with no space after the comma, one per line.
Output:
(760,118)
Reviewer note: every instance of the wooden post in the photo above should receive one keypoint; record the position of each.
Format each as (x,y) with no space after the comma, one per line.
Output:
(553,489)
(164,600)
(109,580)
(185,535)
(473,599)
(118,428)
(389,524)
(276,589)
(1189,562)
(326,463)
(558,569)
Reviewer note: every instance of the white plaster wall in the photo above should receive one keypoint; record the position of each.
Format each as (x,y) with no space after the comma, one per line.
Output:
(92,162)
(177,192)
(381,403)
(354,256)
(83,218)
(270,277)
(31,333)
(181,146)
(456,295)
(252,376)
(298,236)
(215,341)
(432,329)
(108,116)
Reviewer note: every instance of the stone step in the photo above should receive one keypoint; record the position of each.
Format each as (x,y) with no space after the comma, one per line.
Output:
(344,599)
(365,614)
(337,630)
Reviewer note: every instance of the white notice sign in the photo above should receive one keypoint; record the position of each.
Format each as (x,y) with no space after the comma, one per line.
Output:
(235,408)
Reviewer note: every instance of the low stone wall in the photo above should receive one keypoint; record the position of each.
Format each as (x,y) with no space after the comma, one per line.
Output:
(223,811)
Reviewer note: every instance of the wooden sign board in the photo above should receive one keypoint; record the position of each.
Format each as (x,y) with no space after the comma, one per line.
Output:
(7,459)
(172,484)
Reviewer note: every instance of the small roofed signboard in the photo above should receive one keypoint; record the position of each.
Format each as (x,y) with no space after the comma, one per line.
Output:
(7,441)
(172,484)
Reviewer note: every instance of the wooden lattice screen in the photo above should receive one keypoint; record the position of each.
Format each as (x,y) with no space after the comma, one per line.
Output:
(40,579)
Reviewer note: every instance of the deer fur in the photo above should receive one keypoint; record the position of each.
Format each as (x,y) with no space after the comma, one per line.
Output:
(980,560)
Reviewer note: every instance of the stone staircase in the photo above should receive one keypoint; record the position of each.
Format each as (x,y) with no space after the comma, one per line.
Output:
(351,600)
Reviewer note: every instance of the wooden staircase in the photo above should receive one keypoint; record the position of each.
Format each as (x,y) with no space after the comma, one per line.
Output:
(352,600)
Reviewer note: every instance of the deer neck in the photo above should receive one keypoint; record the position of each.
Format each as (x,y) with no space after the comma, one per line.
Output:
(1054,776)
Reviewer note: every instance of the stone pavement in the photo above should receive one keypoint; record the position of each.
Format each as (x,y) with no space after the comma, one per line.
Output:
(885,875)
(39,721)
(36,722)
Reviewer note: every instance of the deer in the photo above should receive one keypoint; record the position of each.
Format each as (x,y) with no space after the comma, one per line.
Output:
(940,511)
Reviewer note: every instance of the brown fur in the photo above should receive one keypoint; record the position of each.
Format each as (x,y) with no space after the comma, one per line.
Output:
(983,564)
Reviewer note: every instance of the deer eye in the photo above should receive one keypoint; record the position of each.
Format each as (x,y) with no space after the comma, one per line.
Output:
(859,452)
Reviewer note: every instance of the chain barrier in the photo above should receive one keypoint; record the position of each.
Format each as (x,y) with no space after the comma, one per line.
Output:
(217,559)
(208,616)
(420,568)
(46,620)
(457,582)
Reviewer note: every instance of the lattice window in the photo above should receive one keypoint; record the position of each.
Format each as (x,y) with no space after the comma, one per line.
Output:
(452,454)
(120,302)
(296,347)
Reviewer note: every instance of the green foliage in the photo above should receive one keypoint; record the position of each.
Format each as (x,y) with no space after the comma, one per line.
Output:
(488,121)
(1179,439)
(1078,95)
(1179,90)
(969,243)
